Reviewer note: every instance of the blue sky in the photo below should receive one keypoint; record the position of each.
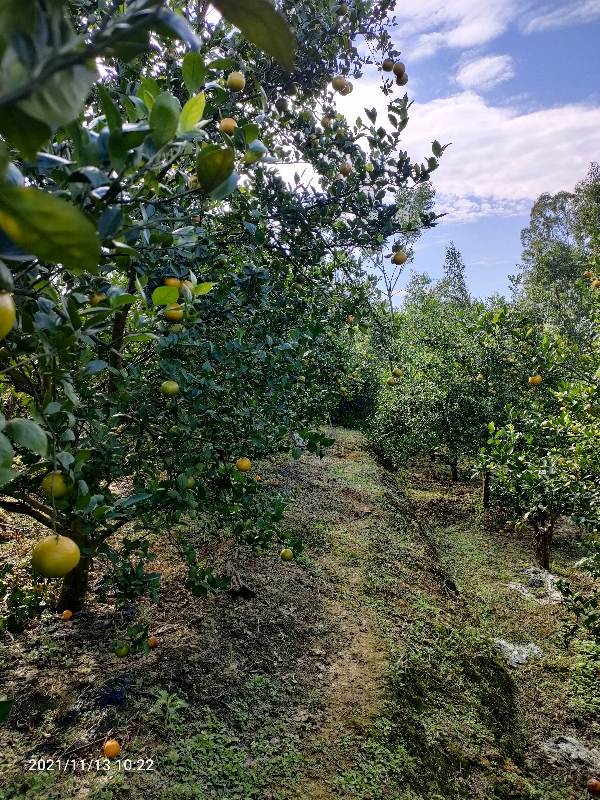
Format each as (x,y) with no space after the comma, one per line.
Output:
(515,86)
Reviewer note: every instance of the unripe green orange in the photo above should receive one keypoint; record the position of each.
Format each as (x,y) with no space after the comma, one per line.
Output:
(286,554)
(387,65)
(169,388)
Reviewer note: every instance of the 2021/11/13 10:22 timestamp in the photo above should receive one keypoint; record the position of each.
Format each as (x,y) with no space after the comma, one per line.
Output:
(94,764)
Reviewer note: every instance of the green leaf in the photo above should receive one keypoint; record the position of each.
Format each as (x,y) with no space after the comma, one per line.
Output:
(60,98)
(23,132)
(213,168)
(111,112)
(148,87)
(28,434)
(251,131)
(6,278)
(263,26)
(192,112)
(5,707)
(7,475)
(164,119)
(6,452)
(203,288)
(123,300)
(92,367)
(225,188)
(50,228)
(164,295)
(193,71)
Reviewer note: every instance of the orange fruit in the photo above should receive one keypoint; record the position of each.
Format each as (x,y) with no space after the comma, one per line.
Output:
(391,381)
(97,298)
(55,484)
(169,388)
(189,285)
(399,69)
(275,483)
(399,257)
(67,614)
(152,642)
(243,464)
(287,554)
(111,748)
(403,80)
(228,125)
(387,65)
(190,483)
(174,312)
(8,314)
(346,169)
(55,556)
(593,786)
(349,319)
(596,283)
(172,281)
(258,478)
(397,373)
(339,83)
(236,82)
(535,380)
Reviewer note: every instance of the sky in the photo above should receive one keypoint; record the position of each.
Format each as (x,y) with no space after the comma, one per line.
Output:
(515,88)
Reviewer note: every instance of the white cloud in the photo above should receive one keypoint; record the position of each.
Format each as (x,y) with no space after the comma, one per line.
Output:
(430,25)
(500,161)
(574,13)
(485,73)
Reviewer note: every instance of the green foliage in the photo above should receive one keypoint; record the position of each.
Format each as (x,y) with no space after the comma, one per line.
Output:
(22,600)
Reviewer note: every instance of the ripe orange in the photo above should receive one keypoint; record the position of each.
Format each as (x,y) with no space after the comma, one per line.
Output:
(8,314)
(228,125)
(189,285)
(169,388)
(387,65)
(172,281)
(587,274)
(67,614)
(55,484)
(236,82)
(399,257)
(275,483)
(152,642)
(593,786)
(243,464)
(399,69)
(339,83)
(596,283)
(55,556)
(287,554)
(535,380)
(403,80)
(174,312)
(258,478)
(349,319)
(111,748)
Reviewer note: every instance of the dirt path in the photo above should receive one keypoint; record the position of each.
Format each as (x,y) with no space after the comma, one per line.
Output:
(365,670)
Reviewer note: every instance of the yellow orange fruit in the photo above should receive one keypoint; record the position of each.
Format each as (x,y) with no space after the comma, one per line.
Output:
(535,380)
(152,642)
(399,257)
(97,298)
(55,556)
(67,614)
(172,281)
(286,554)
(387,64)
(391,381)
(174,312)
(236,82)
(339,83)
(111,748)
(398,69)
(55,484)
(8,314)
(243,464)
(228,125)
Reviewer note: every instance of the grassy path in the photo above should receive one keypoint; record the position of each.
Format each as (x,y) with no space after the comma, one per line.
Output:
(364,670)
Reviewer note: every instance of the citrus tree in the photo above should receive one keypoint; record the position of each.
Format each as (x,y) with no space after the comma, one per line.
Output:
(167,288)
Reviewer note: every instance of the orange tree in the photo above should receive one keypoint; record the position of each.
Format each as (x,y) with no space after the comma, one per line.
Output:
(166,285)
(452,366)
(544,460)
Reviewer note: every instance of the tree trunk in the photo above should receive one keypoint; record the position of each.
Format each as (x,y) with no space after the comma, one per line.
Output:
(74,587)
(486,489)
(454,468)
(543,540)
